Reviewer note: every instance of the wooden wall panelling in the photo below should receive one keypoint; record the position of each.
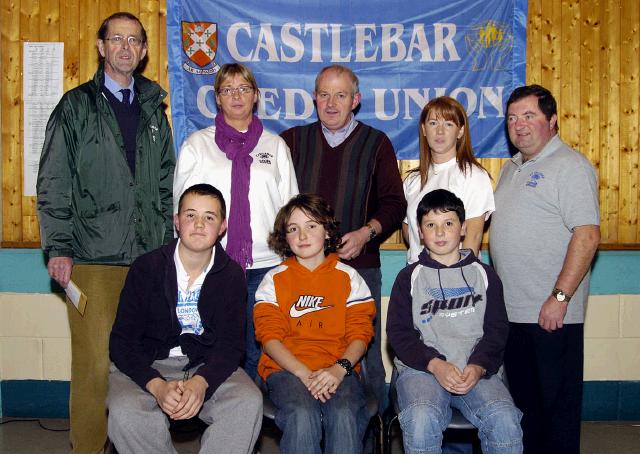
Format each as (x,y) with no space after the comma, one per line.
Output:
(609,119)
(629,43)
(534,41)
(149,17)
(11,87)
(131,6)
(589,83)
(569,73)
(70,34)
(90,20)
(106,9)
(49,20)
(551,50)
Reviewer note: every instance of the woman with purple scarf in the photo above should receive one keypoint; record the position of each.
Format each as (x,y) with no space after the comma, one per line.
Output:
(252,168)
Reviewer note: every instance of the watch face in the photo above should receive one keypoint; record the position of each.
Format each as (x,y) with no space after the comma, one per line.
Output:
(560,296)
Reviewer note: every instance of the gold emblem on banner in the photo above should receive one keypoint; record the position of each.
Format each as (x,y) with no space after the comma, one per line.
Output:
(490,45)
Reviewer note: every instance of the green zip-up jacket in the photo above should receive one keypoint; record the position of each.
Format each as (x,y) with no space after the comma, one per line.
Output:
(90,206)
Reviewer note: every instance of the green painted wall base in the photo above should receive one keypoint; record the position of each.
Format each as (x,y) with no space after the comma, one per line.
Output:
(602,401)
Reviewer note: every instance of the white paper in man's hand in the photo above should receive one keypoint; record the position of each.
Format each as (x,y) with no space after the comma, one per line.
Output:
(76,297)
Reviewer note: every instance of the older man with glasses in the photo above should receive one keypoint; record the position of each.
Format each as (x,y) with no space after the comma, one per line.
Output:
(104,198)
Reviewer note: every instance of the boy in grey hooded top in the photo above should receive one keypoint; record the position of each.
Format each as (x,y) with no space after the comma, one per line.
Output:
(447,325)
(453,313)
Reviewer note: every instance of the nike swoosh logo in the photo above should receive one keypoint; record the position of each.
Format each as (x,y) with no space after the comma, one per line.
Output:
(295,313)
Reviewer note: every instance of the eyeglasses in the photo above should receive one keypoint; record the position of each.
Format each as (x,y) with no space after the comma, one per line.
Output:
(243,90)
(119,40)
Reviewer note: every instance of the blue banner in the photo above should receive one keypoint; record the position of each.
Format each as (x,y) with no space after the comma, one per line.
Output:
(404,53)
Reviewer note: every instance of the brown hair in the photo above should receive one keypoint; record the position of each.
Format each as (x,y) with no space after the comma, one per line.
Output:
(204,189)
(316,208)
(448,109)
(104,28)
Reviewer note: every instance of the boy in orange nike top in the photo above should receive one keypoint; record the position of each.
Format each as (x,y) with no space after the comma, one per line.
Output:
(314,318)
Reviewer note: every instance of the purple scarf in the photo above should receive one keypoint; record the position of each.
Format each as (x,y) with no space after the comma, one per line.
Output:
(237,146)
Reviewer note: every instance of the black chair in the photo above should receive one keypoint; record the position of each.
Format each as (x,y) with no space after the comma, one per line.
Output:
(375,429)
(458,421)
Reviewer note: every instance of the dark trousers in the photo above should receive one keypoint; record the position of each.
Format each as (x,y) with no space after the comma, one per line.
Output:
(545,379)
(253,350)
(375,368)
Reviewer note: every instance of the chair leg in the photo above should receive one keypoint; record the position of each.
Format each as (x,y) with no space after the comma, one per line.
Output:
(380,434)
(375,431)
(388,434)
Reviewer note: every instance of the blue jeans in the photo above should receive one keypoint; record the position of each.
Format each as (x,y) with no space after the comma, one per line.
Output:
(375,369)
(252,348)
(301,418)
(425,412)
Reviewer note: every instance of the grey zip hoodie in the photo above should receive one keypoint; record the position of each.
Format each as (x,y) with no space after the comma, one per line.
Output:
(455,313)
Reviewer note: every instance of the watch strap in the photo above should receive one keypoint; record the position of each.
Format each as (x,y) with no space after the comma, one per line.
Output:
(561,295)
(346,365)
(372,231)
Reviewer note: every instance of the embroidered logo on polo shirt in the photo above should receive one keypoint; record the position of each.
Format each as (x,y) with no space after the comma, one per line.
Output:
(534,178)
(264,157)
(307,304)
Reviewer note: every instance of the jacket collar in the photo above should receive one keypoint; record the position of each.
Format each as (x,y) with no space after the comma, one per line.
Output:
(147,91)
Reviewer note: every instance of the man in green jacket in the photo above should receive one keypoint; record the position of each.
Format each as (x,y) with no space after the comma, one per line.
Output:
(104,198)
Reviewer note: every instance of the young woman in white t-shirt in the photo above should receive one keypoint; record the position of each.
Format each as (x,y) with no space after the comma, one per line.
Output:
(447,162)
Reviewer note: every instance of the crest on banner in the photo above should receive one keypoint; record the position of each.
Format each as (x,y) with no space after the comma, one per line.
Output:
(200,43)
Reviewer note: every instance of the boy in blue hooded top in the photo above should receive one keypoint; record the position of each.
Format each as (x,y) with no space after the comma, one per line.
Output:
(447,325)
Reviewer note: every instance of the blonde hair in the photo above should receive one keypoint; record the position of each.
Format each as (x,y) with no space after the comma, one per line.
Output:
(230,70)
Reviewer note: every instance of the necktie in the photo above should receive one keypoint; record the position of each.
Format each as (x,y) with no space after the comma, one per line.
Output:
(126,94)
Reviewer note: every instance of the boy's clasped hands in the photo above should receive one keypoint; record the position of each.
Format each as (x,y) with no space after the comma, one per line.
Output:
(322,383)
(180,399)
(452,378)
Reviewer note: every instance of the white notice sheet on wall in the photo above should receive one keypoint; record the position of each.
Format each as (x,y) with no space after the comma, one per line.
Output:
(42,74)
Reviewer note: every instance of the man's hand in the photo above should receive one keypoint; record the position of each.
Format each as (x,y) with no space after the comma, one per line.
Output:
(167,394)
(471,374)
(60,270)
(353,242)
(552,314)
(325,382)
(448,375)
(193,391)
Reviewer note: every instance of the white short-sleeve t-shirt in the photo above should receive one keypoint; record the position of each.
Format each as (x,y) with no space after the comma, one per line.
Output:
(474,189)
